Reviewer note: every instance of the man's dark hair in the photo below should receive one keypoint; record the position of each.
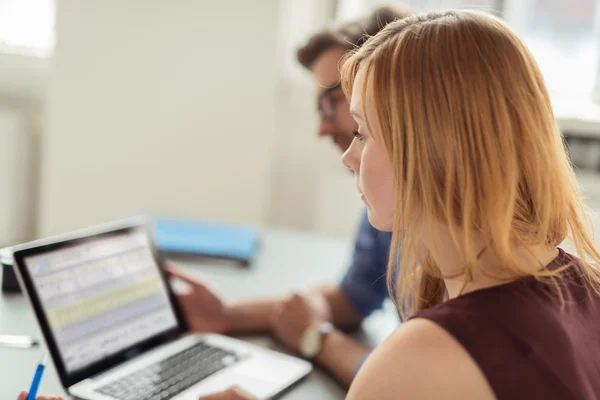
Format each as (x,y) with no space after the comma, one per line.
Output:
(350,34)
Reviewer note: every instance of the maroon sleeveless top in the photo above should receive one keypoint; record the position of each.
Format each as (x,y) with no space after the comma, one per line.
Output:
(524,343)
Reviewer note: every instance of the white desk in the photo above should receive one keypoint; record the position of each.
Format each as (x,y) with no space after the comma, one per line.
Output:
(285,261)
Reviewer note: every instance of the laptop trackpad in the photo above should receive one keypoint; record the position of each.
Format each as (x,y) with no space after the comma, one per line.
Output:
(255,387)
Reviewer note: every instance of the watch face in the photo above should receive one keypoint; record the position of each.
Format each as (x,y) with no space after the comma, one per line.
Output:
(311,342)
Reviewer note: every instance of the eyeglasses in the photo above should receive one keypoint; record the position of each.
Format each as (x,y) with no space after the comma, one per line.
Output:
(327,102)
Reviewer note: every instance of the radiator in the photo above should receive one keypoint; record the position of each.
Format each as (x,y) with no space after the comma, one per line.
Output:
(17,183)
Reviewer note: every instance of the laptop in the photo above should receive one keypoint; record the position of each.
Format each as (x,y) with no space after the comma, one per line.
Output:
(114,330)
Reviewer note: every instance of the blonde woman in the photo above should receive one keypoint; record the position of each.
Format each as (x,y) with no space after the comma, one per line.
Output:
(459,156)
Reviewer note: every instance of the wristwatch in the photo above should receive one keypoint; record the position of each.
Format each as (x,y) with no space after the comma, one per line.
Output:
(312,339)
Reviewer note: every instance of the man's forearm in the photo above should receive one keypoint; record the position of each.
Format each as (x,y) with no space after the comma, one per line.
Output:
(251,316)
(341,356)
(343,313)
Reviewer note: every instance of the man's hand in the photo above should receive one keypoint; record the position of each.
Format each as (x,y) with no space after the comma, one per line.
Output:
(293,316)
(203,310)
(229,394)
(23,396)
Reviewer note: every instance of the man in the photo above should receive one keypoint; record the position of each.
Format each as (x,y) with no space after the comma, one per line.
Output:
(313,323)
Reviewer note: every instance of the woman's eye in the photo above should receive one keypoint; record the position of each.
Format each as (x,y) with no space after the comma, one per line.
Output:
(358,136)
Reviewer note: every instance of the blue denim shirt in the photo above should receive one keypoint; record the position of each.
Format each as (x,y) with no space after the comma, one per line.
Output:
(365,282)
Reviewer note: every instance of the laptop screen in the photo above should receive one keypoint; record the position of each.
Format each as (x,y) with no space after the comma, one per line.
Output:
(101,295)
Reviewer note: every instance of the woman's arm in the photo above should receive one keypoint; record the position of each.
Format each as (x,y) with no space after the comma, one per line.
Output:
(420,360)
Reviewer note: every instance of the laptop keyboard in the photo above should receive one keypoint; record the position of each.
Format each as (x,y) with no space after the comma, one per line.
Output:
(172,375)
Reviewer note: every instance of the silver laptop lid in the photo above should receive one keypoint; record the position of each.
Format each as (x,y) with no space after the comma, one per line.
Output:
(100,295)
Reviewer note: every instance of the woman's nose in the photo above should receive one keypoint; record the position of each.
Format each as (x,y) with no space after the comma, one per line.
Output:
(351,157)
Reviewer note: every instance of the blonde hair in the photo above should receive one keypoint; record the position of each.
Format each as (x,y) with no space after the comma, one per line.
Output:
(466,120)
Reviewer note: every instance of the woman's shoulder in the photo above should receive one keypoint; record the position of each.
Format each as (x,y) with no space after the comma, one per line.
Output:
(420,360)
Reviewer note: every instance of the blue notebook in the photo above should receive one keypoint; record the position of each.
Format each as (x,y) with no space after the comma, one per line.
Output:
(204,239)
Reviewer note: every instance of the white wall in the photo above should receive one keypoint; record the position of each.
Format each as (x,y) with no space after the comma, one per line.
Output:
(160,106)
(312,190)
(188,108)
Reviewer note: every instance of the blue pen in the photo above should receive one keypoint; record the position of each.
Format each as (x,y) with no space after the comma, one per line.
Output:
(37,378)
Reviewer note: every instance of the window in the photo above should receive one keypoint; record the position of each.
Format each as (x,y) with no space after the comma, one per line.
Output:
(27,27)
(348,9)
(561,34)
